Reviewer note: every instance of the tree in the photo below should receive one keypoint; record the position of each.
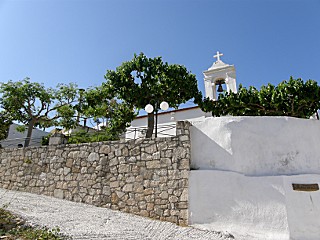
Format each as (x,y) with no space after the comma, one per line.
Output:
(98,104)
(143,81)
(290,98)
(5,123)
(34,105)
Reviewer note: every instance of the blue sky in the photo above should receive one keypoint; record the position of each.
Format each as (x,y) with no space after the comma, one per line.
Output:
(62,41)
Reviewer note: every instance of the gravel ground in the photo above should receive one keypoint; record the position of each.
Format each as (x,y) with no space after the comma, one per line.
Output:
(82,221)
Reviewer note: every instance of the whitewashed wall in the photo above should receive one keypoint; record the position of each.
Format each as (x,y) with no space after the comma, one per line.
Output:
(246,168)
(257,146)
(249,207)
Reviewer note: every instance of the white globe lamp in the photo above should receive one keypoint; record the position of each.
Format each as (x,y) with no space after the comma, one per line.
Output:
(148,108)
(164,106)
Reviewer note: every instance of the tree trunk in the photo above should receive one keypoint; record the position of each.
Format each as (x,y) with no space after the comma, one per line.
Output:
(29,133)
(150,125)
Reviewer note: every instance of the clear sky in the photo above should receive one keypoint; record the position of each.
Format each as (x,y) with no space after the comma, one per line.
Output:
(62,41)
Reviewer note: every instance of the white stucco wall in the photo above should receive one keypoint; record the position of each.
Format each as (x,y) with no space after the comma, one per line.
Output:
(254,207)
(257,146)
(246,168)
(251,207)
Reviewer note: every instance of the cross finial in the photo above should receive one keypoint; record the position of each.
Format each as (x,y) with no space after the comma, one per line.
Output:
(218,55)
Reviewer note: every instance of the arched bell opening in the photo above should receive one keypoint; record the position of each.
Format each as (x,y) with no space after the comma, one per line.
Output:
(219,82)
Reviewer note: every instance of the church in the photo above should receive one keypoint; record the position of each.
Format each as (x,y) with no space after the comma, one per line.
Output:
(218,77)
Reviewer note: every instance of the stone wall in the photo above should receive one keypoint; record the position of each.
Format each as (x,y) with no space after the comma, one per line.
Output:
(147,177)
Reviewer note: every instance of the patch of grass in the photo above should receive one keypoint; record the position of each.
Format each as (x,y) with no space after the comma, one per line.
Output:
(13,227)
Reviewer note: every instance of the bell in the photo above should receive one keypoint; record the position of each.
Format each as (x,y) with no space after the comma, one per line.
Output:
(220,89)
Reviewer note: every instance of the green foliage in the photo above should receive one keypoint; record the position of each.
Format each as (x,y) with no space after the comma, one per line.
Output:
(99,136)
(143,81)
(5,122)
(45,140)
(98,104)
(21,128)
(290,98)
(12,227)
(36,106)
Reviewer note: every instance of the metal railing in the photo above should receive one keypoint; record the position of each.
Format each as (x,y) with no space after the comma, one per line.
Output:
(168,130)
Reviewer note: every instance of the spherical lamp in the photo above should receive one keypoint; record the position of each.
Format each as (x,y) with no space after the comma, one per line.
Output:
(148,108)
(164,106)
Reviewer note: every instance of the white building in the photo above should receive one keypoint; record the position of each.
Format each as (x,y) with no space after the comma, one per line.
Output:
(16,138)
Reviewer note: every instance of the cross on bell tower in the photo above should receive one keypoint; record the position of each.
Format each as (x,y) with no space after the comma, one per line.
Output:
(219,74)
(218,55)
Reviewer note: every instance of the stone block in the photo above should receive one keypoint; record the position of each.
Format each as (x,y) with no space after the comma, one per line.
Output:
(150,206)
(173,219)
(173,199)
(114,198)
(146,156)
(69,162)
(113,162)
(130,179)
(75,170)
(148,191)
(58,193)
(93,157)
(127,188)
(149,198)
(184,195)
(131,202)
(120,194)
(164,195)
(122,160)
(105,149)
(132,159)
(144,213)
(182,205)
(123,168)
(183,214)
(153,164)
(184,138)
(156,155)
(66,171)
(114,184)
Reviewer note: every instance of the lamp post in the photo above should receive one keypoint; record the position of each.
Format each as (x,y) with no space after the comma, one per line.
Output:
(149,109)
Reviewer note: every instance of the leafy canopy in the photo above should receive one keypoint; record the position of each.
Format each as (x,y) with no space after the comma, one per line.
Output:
(143,81)
(293,98)
(33,104)
(99,104)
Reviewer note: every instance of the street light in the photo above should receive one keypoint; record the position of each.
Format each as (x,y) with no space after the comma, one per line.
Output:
(149,109)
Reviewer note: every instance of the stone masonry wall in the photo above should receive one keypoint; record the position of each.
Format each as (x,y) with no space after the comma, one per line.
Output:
(147,177)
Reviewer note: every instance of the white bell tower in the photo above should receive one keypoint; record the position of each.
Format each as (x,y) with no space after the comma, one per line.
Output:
(218,74)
